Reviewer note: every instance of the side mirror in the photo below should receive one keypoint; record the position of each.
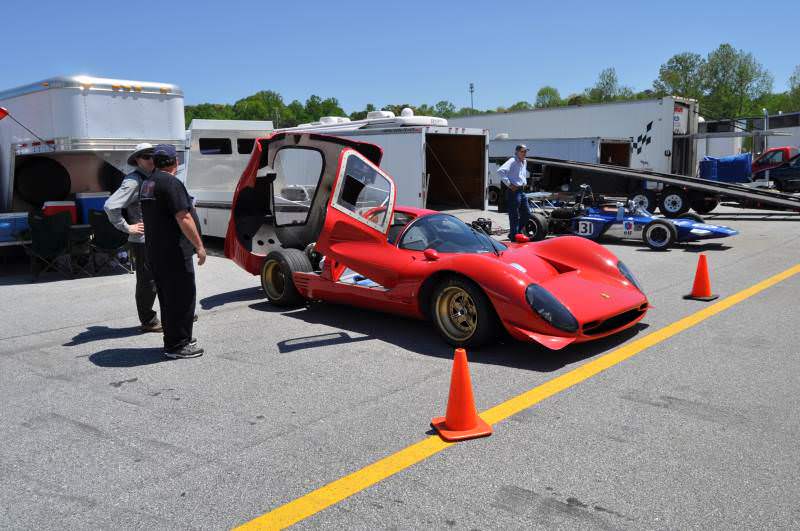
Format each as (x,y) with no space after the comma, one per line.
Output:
(431,254)
(521,238)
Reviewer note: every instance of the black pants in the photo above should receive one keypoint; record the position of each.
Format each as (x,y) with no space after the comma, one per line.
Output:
(176,296)
(145,285)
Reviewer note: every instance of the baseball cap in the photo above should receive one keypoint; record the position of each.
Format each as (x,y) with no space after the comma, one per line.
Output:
(166,151)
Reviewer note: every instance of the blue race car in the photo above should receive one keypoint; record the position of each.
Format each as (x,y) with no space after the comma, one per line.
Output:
(626,221)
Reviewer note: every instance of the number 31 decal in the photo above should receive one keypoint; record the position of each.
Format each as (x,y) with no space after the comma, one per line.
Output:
(585,228)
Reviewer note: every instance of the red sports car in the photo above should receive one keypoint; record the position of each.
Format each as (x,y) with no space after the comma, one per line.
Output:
(315,216)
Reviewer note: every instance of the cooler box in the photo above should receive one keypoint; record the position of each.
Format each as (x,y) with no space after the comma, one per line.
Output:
(87,201)
(12,224)
(54,207)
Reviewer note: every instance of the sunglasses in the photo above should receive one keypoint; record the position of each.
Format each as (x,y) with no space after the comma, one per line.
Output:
(145,157)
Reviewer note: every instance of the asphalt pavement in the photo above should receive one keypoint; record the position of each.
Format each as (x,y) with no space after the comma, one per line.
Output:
(98,430)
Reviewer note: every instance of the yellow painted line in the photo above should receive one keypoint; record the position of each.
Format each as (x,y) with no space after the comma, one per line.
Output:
(336,491)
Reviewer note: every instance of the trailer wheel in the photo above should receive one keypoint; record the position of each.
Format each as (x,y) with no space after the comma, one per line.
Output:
(276,276)
(674,202)
(493,195)
(644,199)
(537,227)
(704,205)
(659,235)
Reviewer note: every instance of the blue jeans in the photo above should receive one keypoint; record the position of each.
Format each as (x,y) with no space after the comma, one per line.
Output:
(518,212)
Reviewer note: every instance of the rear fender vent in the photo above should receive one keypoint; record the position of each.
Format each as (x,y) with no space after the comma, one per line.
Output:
(558,266)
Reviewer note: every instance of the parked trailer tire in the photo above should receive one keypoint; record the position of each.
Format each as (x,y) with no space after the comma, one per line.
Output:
(673,202)
(537,227)
(644,199)
(704,205)
(276,276)
(493,195)
(659,235)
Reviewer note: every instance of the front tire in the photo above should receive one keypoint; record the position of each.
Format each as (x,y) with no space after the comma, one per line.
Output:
(276,276)
(704,205)
(674,202)
(537,227)
(659,235)
(462,313)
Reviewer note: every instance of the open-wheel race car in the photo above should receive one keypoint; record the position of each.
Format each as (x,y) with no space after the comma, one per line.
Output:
(595,219)
(350,244)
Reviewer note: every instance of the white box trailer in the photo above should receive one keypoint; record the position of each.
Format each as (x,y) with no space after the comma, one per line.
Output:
(217,152)
(591,149)
(660,130)
(86,128)
(434,164)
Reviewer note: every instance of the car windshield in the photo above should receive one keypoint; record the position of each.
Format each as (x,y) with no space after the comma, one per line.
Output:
(447,234)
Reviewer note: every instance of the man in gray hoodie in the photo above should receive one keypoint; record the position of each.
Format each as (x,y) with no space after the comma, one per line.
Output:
(126,199)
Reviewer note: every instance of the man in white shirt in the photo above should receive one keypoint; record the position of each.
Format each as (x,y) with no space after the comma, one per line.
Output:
(514,174)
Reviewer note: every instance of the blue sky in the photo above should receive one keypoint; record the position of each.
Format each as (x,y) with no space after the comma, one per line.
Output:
(382,52)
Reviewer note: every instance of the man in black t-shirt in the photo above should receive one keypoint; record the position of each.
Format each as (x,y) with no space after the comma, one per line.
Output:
(172,236)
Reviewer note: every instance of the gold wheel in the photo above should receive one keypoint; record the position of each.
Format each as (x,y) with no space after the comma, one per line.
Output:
(273,280)
(456,313)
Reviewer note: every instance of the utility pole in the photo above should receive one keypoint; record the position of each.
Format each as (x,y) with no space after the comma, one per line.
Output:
(471,99)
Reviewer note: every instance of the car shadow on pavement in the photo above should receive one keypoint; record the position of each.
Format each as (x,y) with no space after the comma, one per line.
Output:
(240,295)
(421,337)
(98,333)
(128,357)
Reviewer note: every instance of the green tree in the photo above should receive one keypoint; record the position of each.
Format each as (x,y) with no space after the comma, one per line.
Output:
(208,111)
(263,105)
(398,108)
(681,76)
(520,106)
(316,107)
(794,90)
(607,87)
(296,114)
(733,82)
(444,109)
(548,96)
(577,99)
(360,115)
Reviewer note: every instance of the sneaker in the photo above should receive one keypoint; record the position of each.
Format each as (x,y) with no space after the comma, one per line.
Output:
(190,350)
(153,326)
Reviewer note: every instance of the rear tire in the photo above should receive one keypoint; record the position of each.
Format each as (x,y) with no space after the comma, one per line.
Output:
(276,276)
(537,227)
(462,313)
(674,202)
(659,235)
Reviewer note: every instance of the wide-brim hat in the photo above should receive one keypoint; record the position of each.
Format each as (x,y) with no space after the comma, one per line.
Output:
(140,148)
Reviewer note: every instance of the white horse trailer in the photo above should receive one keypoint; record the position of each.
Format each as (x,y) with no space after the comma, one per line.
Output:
(217,152)
(80,131)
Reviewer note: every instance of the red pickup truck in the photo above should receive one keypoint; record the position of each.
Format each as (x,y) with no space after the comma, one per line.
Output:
(772,158)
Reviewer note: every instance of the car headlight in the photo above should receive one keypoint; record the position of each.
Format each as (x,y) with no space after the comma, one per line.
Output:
(550,309)
(625,272)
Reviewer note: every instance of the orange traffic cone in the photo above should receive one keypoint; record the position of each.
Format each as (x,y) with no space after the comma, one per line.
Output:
(461,421)
(701,290)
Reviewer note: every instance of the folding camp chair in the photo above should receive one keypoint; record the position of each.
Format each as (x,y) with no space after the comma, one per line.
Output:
(49,243)
(108,241)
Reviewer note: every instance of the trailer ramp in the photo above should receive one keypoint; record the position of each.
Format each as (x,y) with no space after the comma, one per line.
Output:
(738,191)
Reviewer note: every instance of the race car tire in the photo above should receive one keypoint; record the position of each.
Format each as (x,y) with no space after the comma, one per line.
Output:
(674,202)
(462,313)
(493,195)
(645,199)
(276,276)
(704,205)
(659,235)
(694,217)
(536,228)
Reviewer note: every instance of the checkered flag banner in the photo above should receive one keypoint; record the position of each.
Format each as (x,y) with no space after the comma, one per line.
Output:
(643,139)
